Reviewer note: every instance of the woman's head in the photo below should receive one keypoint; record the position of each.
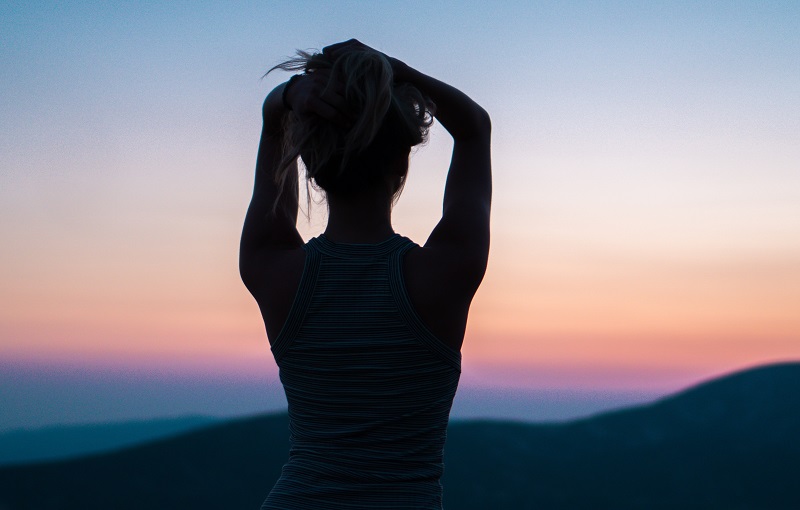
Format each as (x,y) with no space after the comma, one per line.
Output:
(369,150)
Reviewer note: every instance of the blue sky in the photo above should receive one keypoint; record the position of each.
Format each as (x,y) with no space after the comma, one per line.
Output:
(646,221)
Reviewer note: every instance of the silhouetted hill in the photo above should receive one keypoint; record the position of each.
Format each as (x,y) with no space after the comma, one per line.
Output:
(730,443)
(226,466)
(69,441)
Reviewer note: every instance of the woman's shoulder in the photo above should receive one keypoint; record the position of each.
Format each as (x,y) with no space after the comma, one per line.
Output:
(440,286)
(274,285)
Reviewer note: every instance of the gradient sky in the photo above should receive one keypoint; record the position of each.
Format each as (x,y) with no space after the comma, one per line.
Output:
(646,221)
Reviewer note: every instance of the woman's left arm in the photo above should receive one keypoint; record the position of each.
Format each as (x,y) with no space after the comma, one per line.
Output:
(269,229)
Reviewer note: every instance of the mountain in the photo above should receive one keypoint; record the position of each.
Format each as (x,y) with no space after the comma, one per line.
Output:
(65,441)
(224,466)
(730,443)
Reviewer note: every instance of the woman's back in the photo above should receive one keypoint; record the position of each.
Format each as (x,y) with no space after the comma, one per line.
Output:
(369,387)
(366,335)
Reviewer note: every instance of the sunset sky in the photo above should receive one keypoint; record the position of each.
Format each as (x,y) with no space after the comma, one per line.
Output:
(646,216)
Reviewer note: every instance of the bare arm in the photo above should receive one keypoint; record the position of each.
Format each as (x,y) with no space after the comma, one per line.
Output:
(270,233)
(442,280)
(468,192)
(267,233)
(462,234)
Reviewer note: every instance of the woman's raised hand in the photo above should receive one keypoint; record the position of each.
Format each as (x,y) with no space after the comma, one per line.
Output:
(399,69)
(334,51)
(315,93)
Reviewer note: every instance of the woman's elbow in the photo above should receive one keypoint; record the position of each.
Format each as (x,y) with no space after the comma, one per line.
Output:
(486,120)
(482,123)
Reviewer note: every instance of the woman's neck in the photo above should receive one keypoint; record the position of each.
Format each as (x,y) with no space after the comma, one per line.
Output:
(363,218)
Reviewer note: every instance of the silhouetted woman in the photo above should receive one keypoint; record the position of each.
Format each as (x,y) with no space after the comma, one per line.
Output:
(365,326)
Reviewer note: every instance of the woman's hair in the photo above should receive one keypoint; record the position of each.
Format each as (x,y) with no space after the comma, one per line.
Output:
(387,119)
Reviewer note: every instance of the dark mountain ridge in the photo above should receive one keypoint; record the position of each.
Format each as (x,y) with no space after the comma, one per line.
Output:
(69,441)
(733,442)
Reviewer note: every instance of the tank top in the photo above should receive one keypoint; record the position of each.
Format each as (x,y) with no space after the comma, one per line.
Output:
(369,387)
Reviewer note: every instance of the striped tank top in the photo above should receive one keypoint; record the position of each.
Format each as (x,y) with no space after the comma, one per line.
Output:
(369,387)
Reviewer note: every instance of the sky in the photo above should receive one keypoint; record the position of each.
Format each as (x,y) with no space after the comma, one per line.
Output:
(646,213)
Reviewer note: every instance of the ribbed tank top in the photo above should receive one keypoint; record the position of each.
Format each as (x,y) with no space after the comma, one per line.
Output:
(369,387)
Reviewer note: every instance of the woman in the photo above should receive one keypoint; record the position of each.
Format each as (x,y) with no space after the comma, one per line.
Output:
(365,325)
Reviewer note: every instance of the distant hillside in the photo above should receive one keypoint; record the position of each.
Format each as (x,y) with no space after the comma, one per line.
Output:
(59,442)
(730,443)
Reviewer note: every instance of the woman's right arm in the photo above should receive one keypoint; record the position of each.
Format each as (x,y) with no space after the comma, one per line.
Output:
(468,191)
(462,234)
(442,279)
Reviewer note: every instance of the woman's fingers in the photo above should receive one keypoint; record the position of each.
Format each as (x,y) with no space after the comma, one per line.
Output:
(332,93)
(321,108)
(316,94)
(330,112)
(338,111)
(334,50)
